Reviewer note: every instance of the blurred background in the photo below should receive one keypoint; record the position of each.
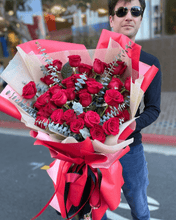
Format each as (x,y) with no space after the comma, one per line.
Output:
(81,21)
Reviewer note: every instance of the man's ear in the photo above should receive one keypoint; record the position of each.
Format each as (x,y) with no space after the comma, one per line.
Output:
(111,19)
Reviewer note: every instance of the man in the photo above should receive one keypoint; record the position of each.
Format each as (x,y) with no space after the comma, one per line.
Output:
(125,18)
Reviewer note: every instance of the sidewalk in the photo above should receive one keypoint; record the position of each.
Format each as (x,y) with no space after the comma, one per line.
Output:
(162,131)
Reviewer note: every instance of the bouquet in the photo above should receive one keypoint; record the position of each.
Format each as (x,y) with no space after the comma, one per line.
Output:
(81,105)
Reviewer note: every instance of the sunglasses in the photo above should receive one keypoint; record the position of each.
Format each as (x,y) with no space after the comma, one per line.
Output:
(136,11)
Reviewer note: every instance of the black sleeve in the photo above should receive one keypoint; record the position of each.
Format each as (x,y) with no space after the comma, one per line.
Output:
(152,99)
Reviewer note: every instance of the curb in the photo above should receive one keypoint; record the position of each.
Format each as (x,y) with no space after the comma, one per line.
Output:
(158,139)
(13,125)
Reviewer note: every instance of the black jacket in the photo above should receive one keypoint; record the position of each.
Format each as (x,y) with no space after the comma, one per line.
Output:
(152,99)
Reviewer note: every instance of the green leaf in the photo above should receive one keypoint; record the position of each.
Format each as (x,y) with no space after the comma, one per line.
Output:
(66,71)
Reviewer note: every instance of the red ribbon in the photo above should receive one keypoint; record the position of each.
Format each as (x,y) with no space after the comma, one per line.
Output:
(102,197)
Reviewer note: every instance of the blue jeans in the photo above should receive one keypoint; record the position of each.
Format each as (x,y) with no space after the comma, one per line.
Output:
(135,175)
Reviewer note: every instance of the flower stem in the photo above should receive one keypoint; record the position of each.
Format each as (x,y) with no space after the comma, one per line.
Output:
(123,90)
(104,111)
(66,106)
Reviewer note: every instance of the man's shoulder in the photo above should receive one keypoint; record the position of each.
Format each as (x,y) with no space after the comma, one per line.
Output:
(148,58)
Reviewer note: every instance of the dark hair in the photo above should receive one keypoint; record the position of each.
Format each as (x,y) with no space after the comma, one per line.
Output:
(1,62)
(112,4)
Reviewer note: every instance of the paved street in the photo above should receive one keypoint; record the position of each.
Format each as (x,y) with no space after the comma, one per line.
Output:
(26,188)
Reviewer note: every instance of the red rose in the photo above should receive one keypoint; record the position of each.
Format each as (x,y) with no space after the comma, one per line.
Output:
(29,90)
(85,99)
(47,110)
(76,125)
(91,119)
(85,68)
(57,116)
(119,68)
(81,115)
(125,115)
(99,66)
(111,126)
(48,80)
(69,116)
(81,91)
(127,83)
(42,100)
(93,86)
(54,89)
(113,97)
(41,122)
(70,93)
(97,133)
(76,76)
(59,98)
(68,82)
(55,63)
(74,60)
(115,83)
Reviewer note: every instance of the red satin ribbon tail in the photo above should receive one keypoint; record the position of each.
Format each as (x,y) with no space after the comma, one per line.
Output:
(44,208)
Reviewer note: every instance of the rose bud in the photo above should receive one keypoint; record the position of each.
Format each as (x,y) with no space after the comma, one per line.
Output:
(97,133)
(70,93)
(81,115)
(115,83)
(99,66)
(93,86)
(85,99)
(85,68)
(127,83)
(48,80)
(120,68)
(68,82)
(91,119)
(76,125)
(113,97)
(41,122)
(74,77)
(29,90)
(47,110)
(111,126)
(69,116)
(57,64)
(54,89)
(60,98)
(57,116)
(42,100)
(74,60)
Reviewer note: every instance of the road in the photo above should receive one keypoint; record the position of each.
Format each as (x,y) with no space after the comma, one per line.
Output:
(25,188)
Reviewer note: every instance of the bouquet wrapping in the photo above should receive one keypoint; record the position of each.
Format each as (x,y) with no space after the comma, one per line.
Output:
(81,105)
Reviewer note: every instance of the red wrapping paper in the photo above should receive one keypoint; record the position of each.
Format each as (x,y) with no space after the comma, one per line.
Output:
(110,191)
(123,40)
(50,46)
(8,108)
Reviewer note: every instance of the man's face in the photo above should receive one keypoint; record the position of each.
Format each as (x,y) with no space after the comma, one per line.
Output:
(127,25)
